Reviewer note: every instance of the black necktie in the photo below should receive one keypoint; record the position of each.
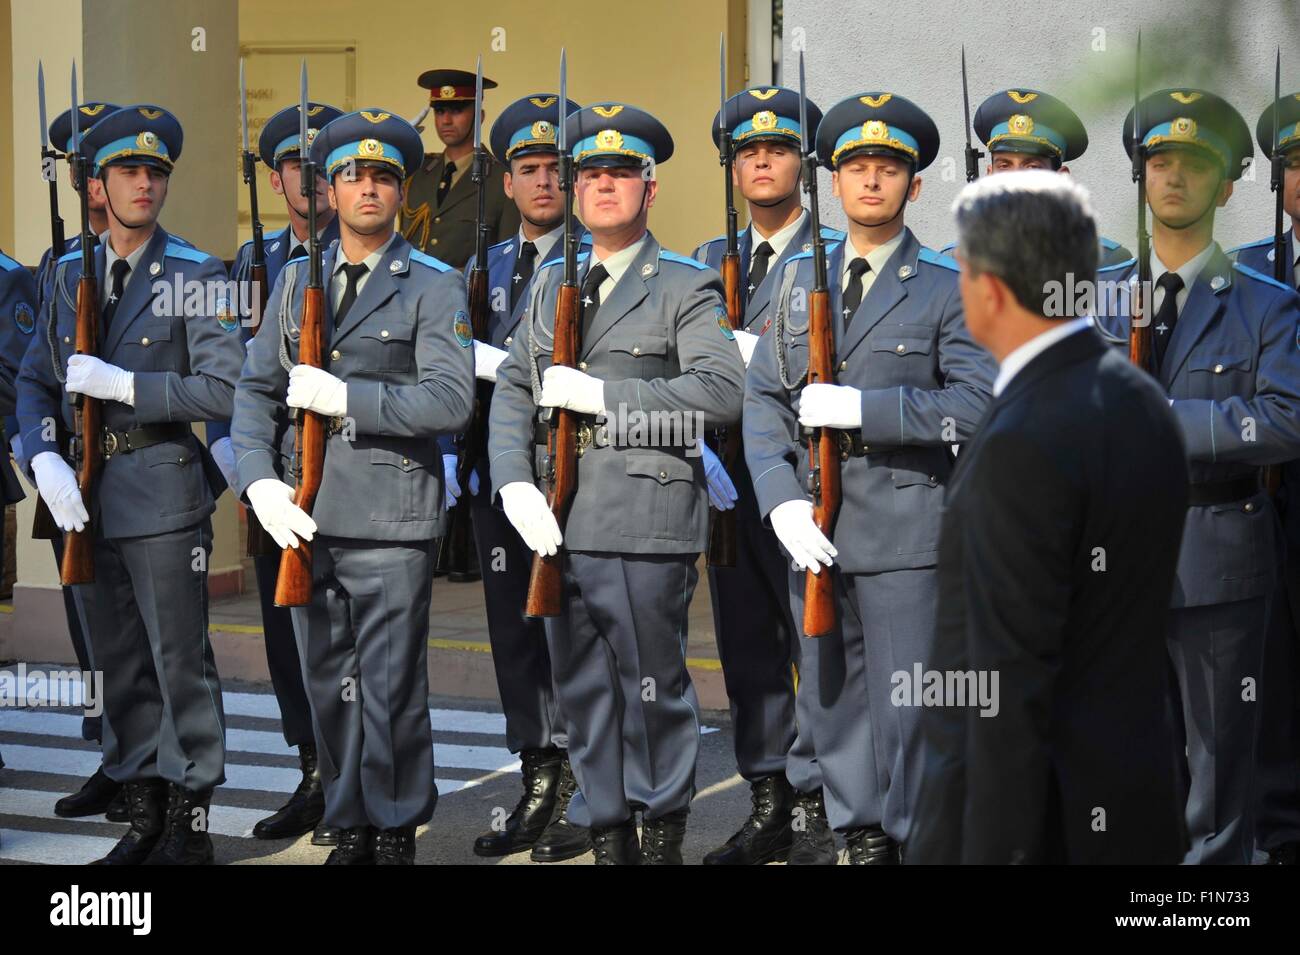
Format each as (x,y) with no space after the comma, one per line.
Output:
(853,291)
(297,253)
(523,271)
(758,267)
(444,184)
(353,273)
(1167,314)
(119,271)
(591,297)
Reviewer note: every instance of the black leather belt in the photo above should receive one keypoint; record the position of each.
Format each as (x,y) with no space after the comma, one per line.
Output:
(542,429)
(124,442)
(1223,492)
(850,442)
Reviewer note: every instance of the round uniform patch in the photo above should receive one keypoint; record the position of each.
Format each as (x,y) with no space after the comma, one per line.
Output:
(724,323)
(24,318)
(226,316)
(464,333)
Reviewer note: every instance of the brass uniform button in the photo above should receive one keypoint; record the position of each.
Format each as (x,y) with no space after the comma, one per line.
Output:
(582,366)
(636,349)
(901,348)
(145,340)
(1218,369)
(384,333)
(844,366)
(335,355)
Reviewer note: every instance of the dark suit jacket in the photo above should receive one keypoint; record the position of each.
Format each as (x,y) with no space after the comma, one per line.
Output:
(1079,453)
(447,231)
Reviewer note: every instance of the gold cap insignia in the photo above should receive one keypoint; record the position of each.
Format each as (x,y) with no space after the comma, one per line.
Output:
(148,113)
(147,140)
(1183,126)
(764,120)
(607,111)
(312,110)
(544,131)
(92,110)
(370,147)
(875,129)
(1022,98)
(609,139)
(875,102)
(541,102)
(1020,124)
(375,117)
(1185,98)
(446,92)
(763,94)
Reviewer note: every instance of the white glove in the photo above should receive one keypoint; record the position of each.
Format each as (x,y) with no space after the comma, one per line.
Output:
(98,379)
(272,502)
(830,406)
(808,546)
(317,390)
(223,452)
(527,510)
(486,359)
(57,484)
(451,486)
(722,492)
(747,342)
(565,387)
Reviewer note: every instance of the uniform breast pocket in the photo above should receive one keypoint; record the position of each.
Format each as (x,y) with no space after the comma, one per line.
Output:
(1221,371)
(174,474)
(403,489)
(1244,533)
(389,346)
(902,351)
(145,347)
(660,498)
(643,354)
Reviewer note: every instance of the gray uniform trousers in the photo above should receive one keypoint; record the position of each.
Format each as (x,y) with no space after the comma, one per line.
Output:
(1214,648)
(363,641)
(618,656)
(519,650)
(870,768)
(147,613)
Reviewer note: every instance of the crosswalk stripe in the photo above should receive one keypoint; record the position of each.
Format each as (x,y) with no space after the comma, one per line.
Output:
(496,759)
(222,820)
(54,848)
(83,762)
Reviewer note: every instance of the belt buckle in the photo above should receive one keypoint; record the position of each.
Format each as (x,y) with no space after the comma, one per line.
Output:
(583,437)
(110,443)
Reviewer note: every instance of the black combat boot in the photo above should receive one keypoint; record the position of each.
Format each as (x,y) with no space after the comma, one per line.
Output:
(562,839)
(305,808)
(524,825)
(395,846)
(616,845)
(95,796)
(356,846)
(870,846)
(811,842)
(661,839)
(766,835)
(146,803)
(185,840)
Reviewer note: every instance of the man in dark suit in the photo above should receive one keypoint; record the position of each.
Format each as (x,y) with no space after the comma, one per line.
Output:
(1056,563)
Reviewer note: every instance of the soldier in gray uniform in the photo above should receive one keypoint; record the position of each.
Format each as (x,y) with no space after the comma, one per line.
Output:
(911,384)
(1029,129)
(758,642)
(398,372)
(659,362)
(158,371)
(1225,349)
(1278,826)
(523,141)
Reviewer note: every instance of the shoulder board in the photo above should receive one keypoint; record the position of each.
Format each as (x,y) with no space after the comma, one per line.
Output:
(437,264)
(299,258)
(1126,264)
(939,259)
(585,240)
(716,238)
(1252,245)
(836,234)
(1108,243)
(666,256)
(8,264)
(502,244)
(69,256)
(947,249)
(1260,276)
(185,252)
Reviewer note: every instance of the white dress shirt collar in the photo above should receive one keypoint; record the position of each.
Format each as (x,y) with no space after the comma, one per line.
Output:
(1015,362)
